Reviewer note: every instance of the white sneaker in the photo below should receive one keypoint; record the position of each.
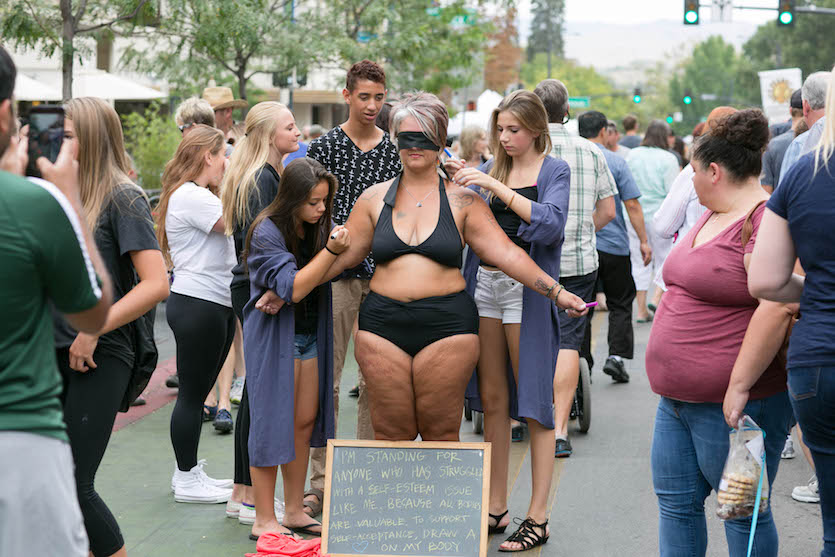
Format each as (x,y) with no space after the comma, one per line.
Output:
(247,513)
(233,508)
(193,487)
(237,390)
(224,484)
(807,493)
(788,449)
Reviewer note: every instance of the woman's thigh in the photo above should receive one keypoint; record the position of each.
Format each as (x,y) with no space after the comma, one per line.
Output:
(306,396)
(440,374)
(387,370)
(492,363)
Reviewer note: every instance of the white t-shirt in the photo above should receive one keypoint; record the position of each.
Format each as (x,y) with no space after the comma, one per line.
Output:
(203,259)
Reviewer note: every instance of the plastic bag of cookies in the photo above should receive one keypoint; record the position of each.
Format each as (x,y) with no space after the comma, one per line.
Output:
(743,473)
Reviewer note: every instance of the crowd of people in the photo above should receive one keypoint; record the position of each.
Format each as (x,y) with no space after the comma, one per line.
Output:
(460,275)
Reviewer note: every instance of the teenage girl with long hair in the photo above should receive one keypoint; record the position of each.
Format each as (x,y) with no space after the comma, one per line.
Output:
(97,367)
(289,248)
(527,191)
(249,185)
(190,230)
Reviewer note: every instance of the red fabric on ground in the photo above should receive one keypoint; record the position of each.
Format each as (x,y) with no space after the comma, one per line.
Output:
(273,544)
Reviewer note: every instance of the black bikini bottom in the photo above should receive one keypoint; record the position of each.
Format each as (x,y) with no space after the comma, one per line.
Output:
(413,326)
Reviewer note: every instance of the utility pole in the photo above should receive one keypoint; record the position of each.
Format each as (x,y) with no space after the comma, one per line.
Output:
(550,42)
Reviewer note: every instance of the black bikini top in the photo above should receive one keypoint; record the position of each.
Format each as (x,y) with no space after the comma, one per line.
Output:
(443,246)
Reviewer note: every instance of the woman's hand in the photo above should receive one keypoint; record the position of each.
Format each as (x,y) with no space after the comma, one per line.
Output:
(469,176)
(454,165)
(734,405)
(16,157)
(573,305)
(81,352)
(269,303)
(339,239)
(63,173)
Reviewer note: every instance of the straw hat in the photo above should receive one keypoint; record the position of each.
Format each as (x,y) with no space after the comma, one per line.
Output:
(221,97)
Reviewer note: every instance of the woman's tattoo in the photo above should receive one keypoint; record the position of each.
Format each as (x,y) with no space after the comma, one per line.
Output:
(461,200)
(400,214)
(541,285)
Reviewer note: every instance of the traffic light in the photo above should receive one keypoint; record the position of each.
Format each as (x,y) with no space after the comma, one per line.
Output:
(785,12)
(636,95)
(691,12)
(688,97)
(669,118)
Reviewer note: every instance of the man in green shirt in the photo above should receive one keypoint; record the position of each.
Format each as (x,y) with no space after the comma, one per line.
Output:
(48,256)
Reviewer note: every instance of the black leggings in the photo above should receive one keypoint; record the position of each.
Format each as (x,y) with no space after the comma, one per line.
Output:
(204,332)
(91,401)
(240,296)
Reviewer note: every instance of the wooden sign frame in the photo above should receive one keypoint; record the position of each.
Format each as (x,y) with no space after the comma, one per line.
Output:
(485,486)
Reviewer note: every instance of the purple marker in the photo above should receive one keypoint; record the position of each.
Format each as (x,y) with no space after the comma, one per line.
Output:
(591,304)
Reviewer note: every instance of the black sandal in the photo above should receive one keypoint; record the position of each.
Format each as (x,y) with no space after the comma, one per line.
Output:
(498,518)
(527,536)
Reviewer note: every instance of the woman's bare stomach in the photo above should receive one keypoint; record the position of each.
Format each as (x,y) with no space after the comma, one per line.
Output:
(414,277)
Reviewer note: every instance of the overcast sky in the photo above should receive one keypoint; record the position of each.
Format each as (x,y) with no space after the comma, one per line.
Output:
(630,12)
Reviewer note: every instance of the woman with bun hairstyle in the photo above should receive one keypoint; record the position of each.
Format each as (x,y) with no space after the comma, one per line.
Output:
(97,368)
(797,223)
(190,230)
(712,342)
(249,185)
(289,356)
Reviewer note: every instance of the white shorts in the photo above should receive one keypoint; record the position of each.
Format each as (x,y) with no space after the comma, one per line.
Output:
(498,296)
(661,247)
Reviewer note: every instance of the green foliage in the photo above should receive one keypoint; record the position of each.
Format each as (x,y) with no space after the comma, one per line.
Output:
(809,44)
(424,47)
(547,20)
(151,139)
(584,81)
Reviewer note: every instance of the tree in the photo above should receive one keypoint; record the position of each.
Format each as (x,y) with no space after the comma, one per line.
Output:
(581,81)
(230,41)
(546,29)
(503,53)
(52,26)
(424,45)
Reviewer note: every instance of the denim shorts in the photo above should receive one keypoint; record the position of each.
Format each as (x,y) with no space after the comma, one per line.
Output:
(304,347)
(498,296)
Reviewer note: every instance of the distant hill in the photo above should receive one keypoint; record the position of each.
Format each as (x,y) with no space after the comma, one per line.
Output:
(609,46)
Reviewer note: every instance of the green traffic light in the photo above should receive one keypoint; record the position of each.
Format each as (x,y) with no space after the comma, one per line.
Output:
(636,99)
(691,16)
(669,119)
(785,18)
(688,99)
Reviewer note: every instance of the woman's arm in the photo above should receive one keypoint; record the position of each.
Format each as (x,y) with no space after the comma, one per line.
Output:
(669,218)
(771,275)
(312,274)
(763,340)
(361,227)
(519,204)
(488,240)
(636,217)
(151,289)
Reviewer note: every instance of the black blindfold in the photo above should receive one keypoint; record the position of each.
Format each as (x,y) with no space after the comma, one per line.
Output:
(419,140)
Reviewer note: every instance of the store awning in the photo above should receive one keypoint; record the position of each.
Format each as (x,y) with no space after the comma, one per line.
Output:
(28,89)
(312,96)
(98,83)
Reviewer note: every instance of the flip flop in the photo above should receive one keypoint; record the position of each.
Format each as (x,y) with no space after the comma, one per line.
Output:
(315,508)
(254,538)
(306,529)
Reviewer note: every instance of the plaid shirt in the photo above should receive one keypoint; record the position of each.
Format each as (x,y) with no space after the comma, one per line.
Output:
(591,180)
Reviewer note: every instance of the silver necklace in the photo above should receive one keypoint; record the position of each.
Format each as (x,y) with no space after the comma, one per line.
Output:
(419,203)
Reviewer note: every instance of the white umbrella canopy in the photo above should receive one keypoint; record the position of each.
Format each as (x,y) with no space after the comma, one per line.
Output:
(486,102)
(98,83)
(28,89)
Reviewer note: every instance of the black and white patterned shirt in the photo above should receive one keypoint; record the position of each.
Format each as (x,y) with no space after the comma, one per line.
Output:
(356,171)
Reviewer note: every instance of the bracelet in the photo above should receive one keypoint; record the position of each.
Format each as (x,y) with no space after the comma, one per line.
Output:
(512,199)
(548,292)
(557,295)
(331,251)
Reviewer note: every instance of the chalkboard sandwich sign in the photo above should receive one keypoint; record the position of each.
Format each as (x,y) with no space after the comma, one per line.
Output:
(406,498)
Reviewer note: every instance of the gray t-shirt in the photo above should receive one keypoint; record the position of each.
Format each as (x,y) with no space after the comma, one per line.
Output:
(631,141)
(773,158)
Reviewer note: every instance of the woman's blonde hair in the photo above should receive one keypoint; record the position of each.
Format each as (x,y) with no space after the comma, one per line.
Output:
(250,155)
(187,164)
(824,150)
(470,136)
(529,110)
(102,161)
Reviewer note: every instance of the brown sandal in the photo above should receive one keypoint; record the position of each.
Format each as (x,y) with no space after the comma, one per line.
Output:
(526,536)
(315,508)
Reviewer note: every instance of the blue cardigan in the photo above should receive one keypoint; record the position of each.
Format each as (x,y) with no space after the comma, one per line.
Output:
(540,330)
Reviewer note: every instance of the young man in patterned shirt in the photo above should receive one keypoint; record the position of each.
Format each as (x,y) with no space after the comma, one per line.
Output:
(360,155)
(591,206)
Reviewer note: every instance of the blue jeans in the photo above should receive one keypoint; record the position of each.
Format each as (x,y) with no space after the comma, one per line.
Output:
(689,447)
(812,391)
(305,347)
